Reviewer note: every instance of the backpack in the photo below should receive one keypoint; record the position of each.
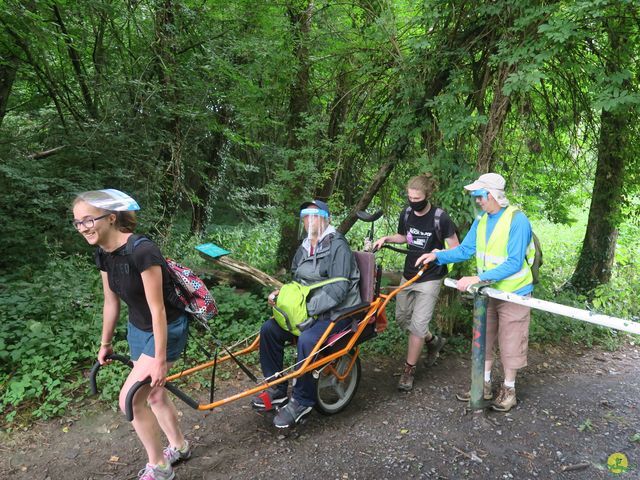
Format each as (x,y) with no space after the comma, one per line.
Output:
(191,293)
(290,310)
(534,259)
(536,262)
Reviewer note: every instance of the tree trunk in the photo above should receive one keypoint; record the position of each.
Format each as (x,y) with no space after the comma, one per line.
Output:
(599,245)
(497,114)
(170,153)
(298,105)
(76,63)
(8,71)
(338,112)
(378,180)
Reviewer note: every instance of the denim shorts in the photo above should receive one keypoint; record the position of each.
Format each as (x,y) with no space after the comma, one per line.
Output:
(143,342)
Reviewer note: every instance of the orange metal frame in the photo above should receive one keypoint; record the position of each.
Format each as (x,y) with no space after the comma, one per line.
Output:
(379,304)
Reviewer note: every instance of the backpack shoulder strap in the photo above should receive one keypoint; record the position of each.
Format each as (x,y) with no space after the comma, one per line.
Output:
(436,223)
(132,242)
(407,211)
(327,282)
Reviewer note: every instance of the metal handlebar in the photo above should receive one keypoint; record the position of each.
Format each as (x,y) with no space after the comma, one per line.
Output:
(475,288)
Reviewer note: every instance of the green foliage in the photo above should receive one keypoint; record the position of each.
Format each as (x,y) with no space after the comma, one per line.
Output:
(49,326)
(240,314)
(219,113)
(254,244)
(617,298)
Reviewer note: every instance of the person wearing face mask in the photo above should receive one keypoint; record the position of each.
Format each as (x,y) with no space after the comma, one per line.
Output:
(323,254)
(502,241)
(423,227)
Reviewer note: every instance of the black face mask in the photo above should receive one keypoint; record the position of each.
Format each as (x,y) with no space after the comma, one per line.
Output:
(419,206)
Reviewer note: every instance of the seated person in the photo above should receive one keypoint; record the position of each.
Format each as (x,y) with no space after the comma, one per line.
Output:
(323,254)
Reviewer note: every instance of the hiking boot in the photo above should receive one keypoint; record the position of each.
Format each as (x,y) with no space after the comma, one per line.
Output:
(466,396)
(505,400)
(156,472)
(173,455)
(433,350)
(406,379)
(269,399)
(291,414)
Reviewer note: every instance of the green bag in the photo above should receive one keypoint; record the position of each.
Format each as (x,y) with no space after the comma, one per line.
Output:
(290,310)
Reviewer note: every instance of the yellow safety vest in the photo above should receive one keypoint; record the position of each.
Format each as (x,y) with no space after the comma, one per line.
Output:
(493,253)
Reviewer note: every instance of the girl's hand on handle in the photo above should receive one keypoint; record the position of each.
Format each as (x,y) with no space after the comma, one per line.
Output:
(105,350)
(158,373)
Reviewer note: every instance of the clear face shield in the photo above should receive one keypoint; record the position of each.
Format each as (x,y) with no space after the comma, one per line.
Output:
(313,222)
(479,197)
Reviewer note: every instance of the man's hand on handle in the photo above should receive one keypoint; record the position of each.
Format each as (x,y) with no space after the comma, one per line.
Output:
(465,282)
(377,245)
(426,258)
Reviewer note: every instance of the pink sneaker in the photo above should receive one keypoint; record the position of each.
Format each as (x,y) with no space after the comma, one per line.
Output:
(156,472)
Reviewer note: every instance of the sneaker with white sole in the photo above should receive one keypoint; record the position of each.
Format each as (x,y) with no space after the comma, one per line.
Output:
(486,391)
(291,414)
(505,400)
(156,472)
(433,350)
(174,455)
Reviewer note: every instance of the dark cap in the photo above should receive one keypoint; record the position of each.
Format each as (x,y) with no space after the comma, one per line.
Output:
(318,203)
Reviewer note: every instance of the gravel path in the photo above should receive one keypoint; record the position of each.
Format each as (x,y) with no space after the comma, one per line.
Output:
(576,408)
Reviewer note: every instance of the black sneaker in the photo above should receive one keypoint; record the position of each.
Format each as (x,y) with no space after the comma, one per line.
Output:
(269,399)
(291,414)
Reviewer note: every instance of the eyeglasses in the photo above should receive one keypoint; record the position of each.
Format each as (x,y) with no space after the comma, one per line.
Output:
(87,222)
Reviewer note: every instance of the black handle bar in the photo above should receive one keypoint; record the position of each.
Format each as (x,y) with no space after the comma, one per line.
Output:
(136,386)
(172,388)
(368,217)
(397,249)
(94,371)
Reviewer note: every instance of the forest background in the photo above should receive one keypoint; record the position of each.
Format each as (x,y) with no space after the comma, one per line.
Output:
(220,118)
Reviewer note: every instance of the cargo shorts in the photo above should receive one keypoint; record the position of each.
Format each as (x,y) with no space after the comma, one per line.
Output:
(415,306)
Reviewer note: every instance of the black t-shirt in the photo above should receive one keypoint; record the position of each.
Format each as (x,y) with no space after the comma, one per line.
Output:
(125,280)
(422,238)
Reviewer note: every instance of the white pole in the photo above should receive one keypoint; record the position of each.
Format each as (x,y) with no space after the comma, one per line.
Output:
(578,314)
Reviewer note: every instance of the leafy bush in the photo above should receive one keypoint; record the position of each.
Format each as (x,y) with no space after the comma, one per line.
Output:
(49,328)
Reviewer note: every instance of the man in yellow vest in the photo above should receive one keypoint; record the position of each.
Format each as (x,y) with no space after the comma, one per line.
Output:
(501,239)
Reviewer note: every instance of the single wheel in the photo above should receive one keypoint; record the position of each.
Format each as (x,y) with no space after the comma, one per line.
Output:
(334,395)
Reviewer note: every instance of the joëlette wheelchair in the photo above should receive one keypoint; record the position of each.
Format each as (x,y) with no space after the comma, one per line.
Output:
(334,361)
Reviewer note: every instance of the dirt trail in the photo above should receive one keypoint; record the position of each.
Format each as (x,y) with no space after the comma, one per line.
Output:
(575,410)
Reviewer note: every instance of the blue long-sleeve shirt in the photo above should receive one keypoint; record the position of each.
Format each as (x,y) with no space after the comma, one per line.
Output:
(519,239)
